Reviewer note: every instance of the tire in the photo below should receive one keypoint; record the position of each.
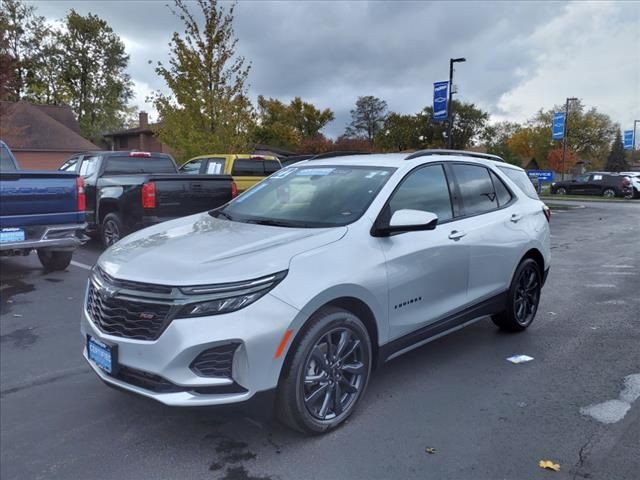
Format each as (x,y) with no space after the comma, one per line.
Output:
(312,378)
(53,260)
(561,191)
(609,193)
(111,230)
(522,299)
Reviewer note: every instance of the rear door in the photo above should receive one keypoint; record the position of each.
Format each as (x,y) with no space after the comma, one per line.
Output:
(490,222)
(426,271)
(595,184)
(247,172)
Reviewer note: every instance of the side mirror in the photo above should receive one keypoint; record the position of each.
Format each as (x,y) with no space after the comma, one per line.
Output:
(408,221)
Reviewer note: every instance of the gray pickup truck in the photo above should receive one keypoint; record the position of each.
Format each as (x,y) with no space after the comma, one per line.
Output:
(42,211)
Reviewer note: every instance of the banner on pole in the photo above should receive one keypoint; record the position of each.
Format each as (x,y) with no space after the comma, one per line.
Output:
(440,101)
(557,131)
(628,139)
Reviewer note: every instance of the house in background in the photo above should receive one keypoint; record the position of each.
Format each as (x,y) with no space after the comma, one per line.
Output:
(139,138)
(41,137)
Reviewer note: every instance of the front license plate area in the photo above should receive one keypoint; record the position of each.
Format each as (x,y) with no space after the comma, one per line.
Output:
(103,355)
(10,235)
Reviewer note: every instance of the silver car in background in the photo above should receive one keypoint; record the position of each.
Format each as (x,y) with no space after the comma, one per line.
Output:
(313,277)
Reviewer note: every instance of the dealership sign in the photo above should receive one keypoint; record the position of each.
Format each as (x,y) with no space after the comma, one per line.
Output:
(440,101)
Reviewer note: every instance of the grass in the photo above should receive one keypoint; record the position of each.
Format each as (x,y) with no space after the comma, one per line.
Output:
(584,198)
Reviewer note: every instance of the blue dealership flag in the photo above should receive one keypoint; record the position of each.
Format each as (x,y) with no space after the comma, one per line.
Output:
(557,131)
(628,139)
(440,101)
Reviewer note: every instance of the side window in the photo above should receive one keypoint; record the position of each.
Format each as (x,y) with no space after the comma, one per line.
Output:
(582,178)
(248,168)
(69,165)
(271,166)
(89,166)
(476,189)
(504,196)
(192,167)
(520,178)
(215,166)
(596,178)
(424,189)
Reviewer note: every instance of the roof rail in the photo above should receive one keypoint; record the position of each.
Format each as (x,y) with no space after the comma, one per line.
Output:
(462,153)
(338,154)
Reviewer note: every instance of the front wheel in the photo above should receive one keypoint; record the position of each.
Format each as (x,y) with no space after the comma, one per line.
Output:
(609,193)
(522,299)
(561,191)
(112,229)
(326,373)
(53,260)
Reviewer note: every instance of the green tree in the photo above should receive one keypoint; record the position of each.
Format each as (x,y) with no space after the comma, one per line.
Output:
(367,118)
(289,126)
(208,110)
(468,125)
(617,160)
(399,132)
(21,32)
(94,78)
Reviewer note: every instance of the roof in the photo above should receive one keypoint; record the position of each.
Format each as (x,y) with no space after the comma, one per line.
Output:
(129,131)
(47,128)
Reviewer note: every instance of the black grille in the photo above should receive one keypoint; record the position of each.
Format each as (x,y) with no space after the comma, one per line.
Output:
(158,384)
(126,318)
(215,362)
(142,287)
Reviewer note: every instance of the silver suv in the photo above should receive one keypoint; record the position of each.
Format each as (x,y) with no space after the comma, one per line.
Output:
(313,277)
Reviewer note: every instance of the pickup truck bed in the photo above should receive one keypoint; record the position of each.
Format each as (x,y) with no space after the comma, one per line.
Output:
(127,191)
(42,211)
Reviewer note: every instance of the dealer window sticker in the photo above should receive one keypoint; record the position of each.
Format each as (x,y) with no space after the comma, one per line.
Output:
(314,172)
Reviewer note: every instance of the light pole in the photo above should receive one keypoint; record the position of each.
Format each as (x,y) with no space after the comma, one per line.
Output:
(633,137)
(564,135)
(450,104)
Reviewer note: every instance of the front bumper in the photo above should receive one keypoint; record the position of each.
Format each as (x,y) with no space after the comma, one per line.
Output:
(258,329)
(54,237)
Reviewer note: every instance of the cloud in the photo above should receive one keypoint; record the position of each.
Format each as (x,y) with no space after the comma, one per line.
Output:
(521,56)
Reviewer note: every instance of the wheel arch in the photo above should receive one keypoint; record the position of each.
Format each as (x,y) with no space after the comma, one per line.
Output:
(107,206)
(537,256)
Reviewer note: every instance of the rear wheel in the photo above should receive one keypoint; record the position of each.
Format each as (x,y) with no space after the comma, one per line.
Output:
(522,299)
(53,260)
(609,193)
(561,191)
(326,375)
(112,229)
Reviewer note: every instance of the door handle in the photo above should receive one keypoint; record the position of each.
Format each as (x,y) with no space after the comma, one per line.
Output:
(456,235)
(516,217)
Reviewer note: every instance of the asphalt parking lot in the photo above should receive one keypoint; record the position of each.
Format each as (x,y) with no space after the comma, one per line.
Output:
(484,417)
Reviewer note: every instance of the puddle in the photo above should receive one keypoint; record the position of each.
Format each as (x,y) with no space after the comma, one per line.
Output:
(10,288)
(21,338)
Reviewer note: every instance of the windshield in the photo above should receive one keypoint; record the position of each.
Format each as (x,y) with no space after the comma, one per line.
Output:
(309,196)
(6,162)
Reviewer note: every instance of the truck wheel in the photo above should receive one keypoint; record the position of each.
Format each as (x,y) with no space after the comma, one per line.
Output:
(53,260)
(523,298)
(326,372)
(112,229)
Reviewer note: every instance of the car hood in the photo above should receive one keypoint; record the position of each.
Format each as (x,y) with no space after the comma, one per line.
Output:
(200,249)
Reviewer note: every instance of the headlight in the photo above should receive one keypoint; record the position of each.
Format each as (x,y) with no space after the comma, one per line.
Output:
(228,297)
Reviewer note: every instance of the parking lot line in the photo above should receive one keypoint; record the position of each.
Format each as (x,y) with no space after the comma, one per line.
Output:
(81,265)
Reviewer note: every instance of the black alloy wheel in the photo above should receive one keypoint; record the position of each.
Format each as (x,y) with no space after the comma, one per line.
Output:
(112,230)
(334,374)
(523,298)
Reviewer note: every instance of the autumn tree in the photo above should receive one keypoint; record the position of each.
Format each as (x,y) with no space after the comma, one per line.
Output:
(289,126)
(554,160)
(496,140)
(616,160)
(367,118)
(208,109)
(468,124)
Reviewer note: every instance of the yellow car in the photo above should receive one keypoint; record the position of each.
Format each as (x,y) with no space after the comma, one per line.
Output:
(247,170)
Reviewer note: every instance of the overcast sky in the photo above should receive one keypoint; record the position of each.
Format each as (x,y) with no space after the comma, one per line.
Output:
(521,56)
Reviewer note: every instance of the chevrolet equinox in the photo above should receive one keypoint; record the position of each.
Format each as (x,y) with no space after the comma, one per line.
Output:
(313,277)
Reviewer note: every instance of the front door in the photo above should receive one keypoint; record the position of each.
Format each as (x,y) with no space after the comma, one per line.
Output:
(426,271)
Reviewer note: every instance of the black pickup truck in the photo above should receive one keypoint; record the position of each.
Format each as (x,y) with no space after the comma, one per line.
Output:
(127,191)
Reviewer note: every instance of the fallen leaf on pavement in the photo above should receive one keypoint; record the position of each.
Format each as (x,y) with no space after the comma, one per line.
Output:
(549,465)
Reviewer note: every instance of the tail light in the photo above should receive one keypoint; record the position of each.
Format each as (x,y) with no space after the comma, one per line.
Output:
(82,199)
(140,154)
(234,189)
(149,195)
(626,183)
(547,212)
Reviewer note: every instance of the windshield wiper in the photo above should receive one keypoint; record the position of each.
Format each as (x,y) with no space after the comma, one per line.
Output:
(220,213)
(272,223)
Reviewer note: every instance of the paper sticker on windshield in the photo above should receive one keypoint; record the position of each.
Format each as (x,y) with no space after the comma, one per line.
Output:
(283,173)
(314,172)
(250,192)
(374,173)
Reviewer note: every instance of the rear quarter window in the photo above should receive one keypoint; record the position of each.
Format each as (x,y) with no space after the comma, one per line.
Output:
(521,179)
